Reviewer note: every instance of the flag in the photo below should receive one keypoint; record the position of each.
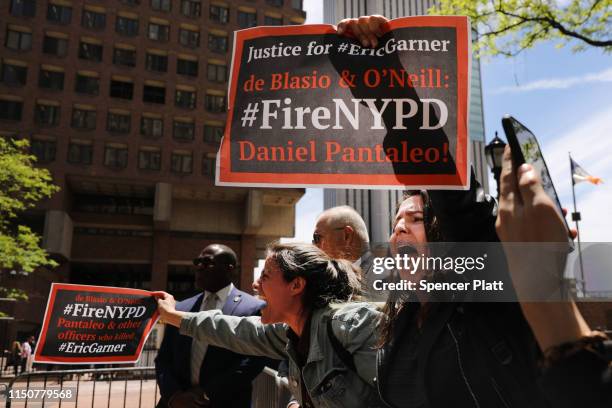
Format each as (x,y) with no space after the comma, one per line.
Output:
(579,174)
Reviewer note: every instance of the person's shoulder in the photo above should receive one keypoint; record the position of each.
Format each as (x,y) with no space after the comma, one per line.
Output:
(185,305)
(248,299)
(354,312)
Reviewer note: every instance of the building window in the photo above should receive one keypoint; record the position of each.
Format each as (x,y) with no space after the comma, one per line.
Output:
(296,4)
(185,99)
(181,162)
(213,134)
(124,56)
(116,156)
(151,127)
(156,62)
(121,89)
(217,73)
(273,21)
(159,32)
(246,19)
(215,103)
(217,43)
(183,130)
(51,79)
(14,74)
(118,122)
(10,109)
(23,8)
(189,38)
(161,5)
(126,26)
(219,14)
(80,152)
(55,46)
(83,119)
(208,166)
(46,115)
(57,13)
(93,20)
(90,52)
(131,2)
(154,94)
(18,40)
(187,67)
(87,84)
(149,158)
(191,8)
(43,149)
(275,3)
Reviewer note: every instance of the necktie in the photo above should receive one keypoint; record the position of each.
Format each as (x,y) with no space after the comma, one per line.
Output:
(198,348)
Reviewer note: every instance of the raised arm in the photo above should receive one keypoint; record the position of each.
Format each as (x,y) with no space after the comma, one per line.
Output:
(244,335)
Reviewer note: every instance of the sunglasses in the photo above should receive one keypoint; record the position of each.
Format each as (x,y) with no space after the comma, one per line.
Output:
(202,261)
(316,237)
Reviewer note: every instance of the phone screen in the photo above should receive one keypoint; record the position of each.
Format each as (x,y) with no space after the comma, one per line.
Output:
(532,154)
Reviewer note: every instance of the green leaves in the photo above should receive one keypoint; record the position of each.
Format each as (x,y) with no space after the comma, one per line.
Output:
(508,27)
(22,186)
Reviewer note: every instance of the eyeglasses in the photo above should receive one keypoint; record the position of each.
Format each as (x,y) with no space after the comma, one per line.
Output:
(316,237)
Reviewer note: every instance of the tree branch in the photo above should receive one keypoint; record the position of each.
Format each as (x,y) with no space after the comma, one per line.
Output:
(560,27)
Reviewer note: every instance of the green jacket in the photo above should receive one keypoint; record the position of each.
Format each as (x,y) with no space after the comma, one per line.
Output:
(329,382)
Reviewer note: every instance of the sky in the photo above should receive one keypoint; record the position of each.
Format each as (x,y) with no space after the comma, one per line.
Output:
(564,98)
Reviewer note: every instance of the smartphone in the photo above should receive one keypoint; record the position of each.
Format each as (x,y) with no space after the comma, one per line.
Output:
(526,149)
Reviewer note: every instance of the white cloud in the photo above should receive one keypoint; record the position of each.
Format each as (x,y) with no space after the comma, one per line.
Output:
(557,83)
(314,11)
(590,143)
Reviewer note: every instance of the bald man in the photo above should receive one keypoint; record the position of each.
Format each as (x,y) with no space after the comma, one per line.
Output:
(189,372)
(341,233)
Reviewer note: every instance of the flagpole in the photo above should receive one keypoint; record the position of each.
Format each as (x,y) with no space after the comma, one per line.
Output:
(576,218)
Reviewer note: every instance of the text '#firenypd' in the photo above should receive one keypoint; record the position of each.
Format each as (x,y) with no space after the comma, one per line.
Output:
(104,312)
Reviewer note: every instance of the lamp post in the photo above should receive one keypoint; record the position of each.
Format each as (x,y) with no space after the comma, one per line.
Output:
(494,152)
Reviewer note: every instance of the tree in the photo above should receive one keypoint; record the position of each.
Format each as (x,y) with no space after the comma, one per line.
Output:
(21,186)
(508,27)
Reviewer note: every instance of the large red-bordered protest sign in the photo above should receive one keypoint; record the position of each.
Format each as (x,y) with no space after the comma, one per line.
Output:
(95,324)
(308,107)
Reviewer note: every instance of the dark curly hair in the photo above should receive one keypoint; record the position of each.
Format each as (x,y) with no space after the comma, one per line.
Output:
(433,234)
(328,280)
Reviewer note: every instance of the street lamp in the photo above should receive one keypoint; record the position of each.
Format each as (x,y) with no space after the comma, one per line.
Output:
(494,152)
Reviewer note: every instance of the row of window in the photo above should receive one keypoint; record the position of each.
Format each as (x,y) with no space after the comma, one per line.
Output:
(62,14)
(152,92)
(118,122)
(19,38)
(15,73)
(116,156)
(87,82)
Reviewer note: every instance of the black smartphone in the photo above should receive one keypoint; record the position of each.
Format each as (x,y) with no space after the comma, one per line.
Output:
(526,149)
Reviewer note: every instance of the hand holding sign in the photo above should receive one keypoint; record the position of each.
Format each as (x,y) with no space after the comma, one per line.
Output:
(166,306)
(310,108)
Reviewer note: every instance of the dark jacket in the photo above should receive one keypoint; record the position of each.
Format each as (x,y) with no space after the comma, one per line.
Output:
(488,347)
(225,376)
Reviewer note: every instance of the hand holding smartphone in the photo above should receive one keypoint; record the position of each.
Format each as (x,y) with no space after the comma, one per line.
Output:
(526,149)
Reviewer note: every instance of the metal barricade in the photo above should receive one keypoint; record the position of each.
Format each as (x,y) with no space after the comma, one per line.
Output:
(95,388)
(129,387)
(270,390)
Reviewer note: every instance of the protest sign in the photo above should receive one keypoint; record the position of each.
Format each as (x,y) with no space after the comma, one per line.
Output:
(308,107)
(95,324)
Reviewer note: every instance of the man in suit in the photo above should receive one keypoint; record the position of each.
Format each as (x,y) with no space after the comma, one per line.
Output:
(189,372)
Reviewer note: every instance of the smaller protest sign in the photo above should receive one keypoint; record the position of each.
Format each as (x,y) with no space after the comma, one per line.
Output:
(95,324)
